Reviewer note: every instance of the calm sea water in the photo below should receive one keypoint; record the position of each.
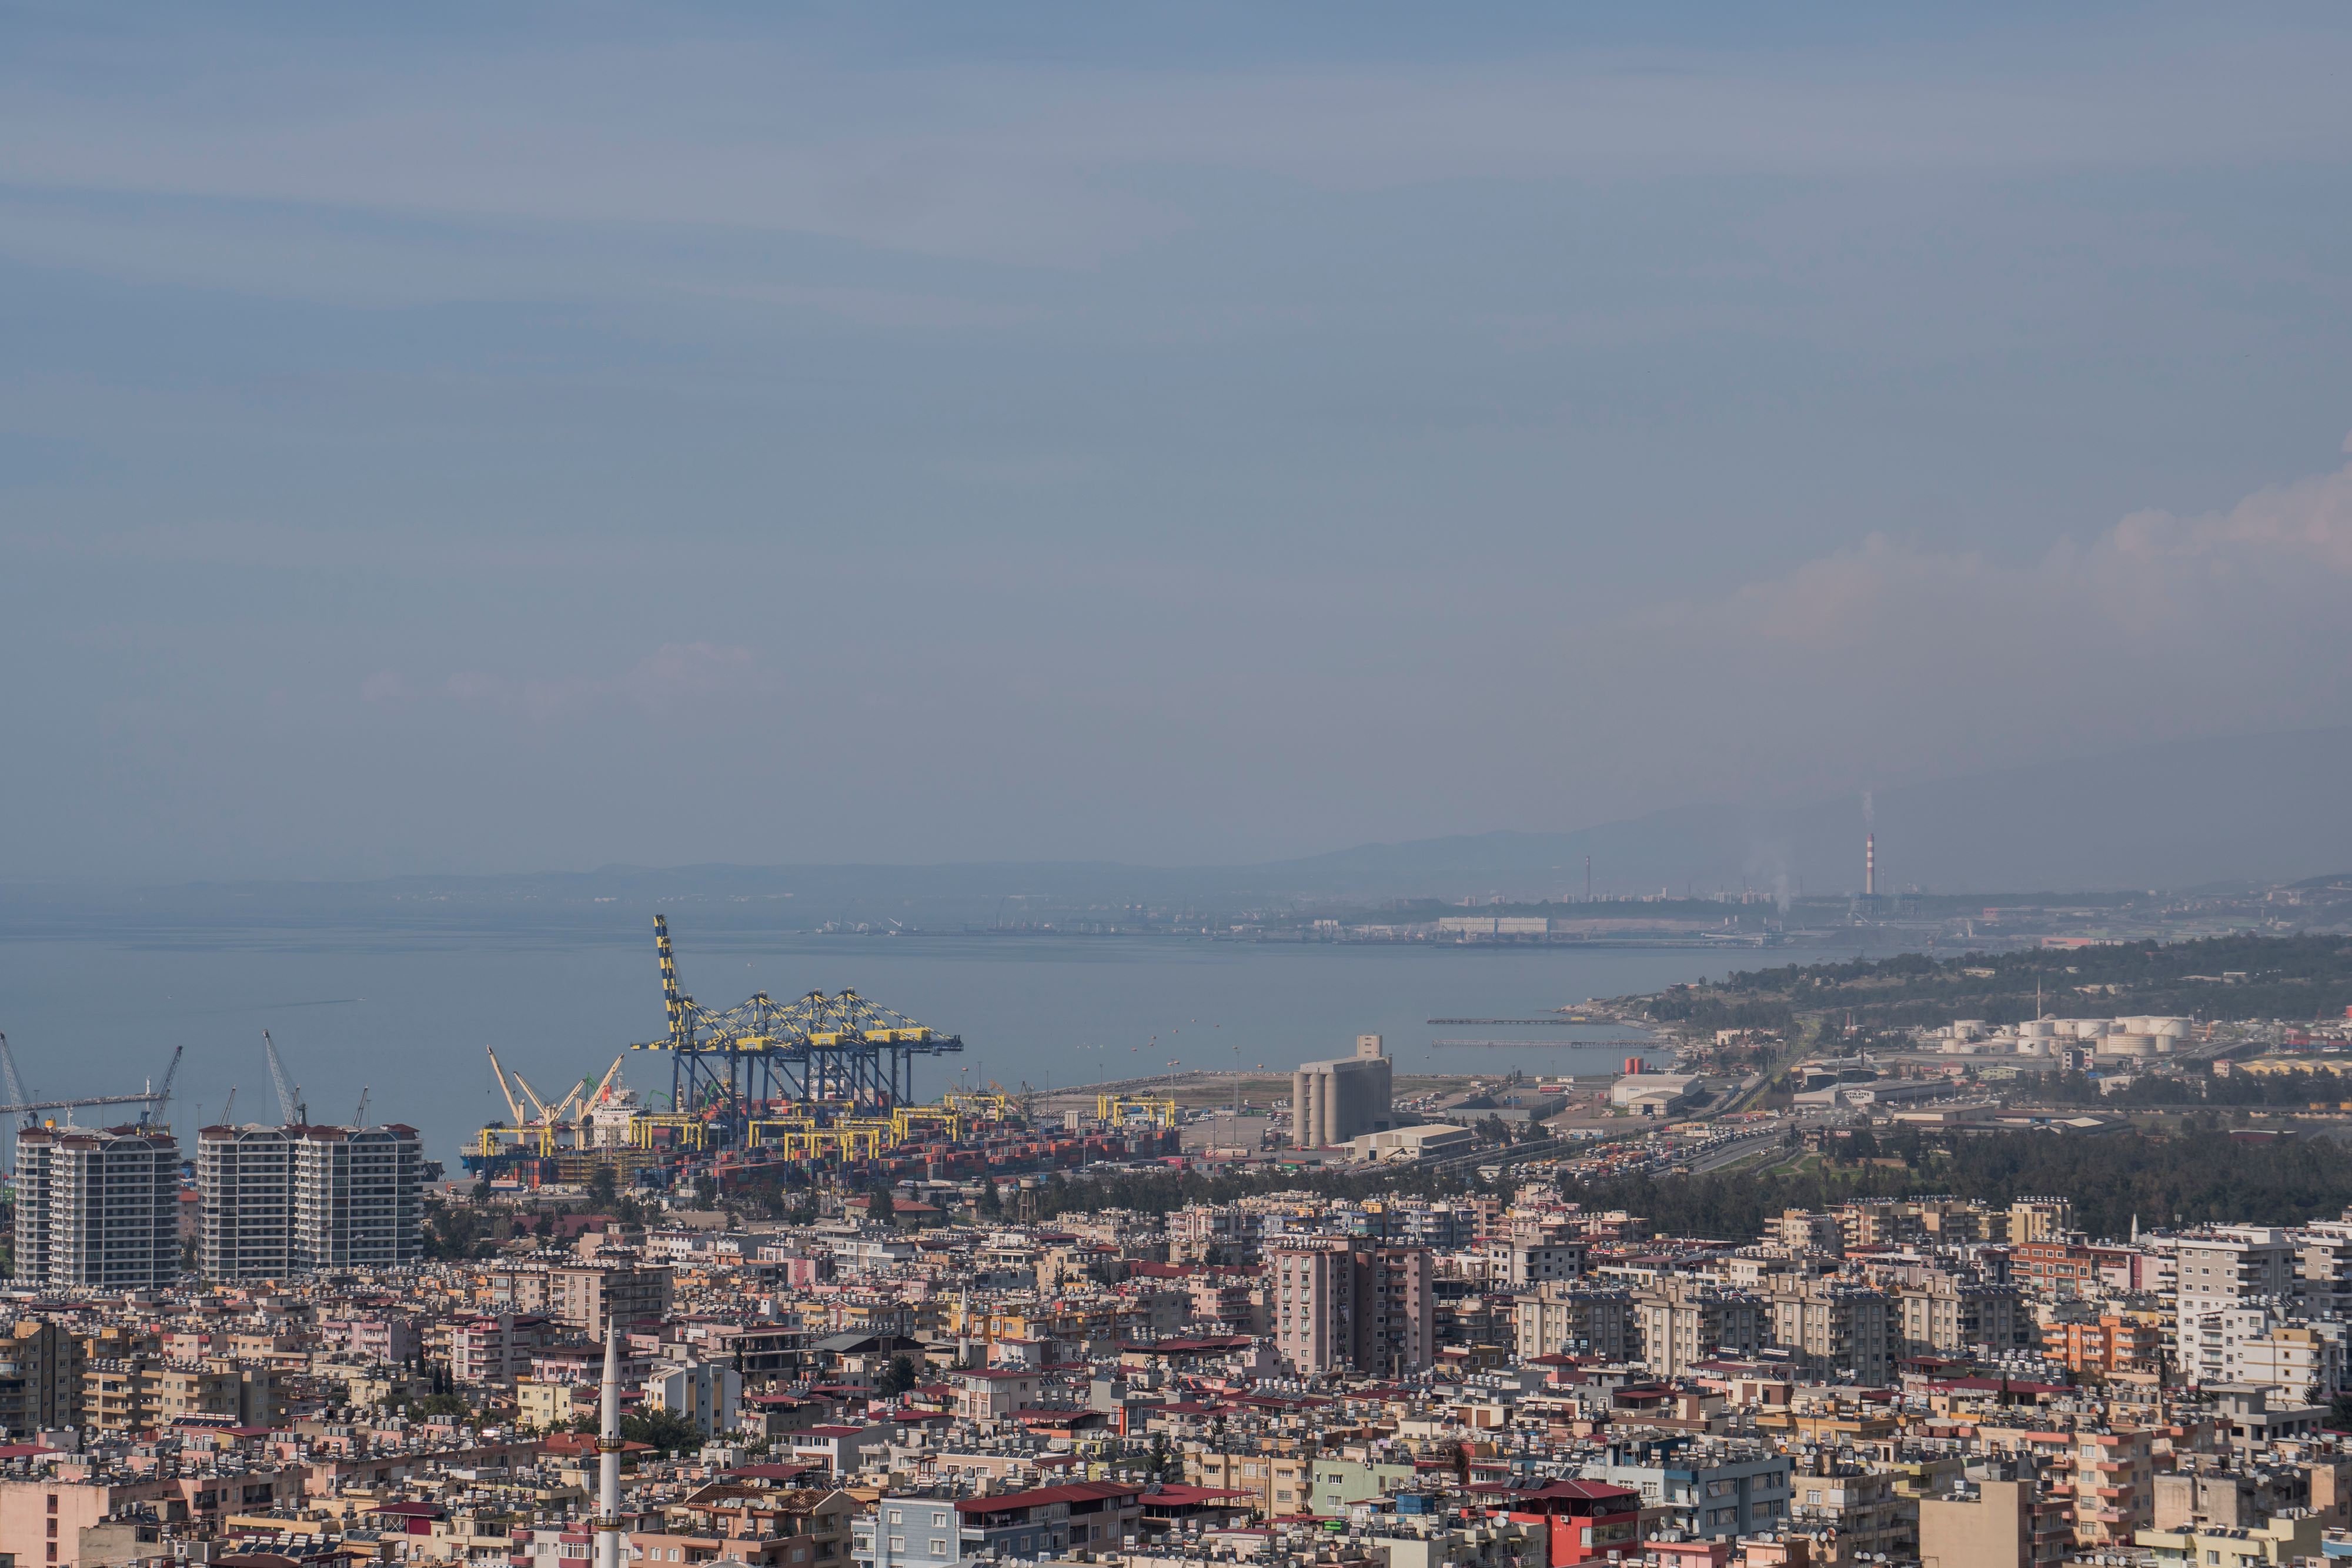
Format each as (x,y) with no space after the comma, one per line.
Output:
(407,1015)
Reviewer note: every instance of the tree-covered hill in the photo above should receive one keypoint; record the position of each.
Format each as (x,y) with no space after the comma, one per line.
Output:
(2220,977)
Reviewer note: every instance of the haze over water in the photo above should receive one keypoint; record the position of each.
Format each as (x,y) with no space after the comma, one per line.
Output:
(408,1015)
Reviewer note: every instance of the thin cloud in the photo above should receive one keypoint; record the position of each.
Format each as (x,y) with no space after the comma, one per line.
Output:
(674,672)
(2163,627)
(1065,166)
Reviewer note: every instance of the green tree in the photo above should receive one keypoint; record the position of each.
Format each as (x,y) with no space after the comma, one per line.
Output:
(604,1189)
(881,1209)
(456,1232)
(664,1429)
(900,1375)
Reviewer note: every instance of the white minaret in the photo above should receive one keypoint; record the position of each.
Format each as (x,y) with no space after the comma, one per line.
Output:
(608,1457)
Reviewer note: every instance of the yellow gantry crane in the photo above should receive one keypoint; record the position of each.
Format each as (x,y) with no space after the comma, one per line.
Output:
(691,1130)
(735,1063)
(992,1106)
(905,1119)
(1116,1111)
(818,1074)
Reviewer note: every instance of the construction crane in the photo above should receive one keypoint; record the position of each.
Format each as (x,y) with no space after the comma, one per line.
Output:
(359,1117)
(289,1095)
(154,1113)
(21,1103)
(17,1094)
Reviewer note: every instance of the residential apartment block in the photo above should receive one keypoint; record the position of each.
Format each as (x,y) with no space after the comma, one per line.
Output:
(280,1201)
(97,1209)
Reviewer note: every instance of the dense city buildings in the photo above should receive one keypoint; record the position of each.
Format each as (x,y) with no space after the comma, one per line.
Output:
(2229,1266)
(594,1297)
(1444,1360)
(1448,1380)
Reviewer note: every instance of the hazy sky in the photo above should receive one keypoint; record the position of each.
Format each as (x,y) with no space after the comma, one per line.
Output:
(480,438)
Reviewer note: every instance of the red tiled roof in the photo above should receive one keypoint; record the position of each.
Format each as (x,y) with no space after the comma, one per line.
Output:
(1593,1491)
(1076,1491)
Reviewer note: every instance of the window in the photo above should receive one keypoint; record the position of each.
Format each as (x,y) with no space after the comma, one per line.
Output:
(938,1547)
(938,1521)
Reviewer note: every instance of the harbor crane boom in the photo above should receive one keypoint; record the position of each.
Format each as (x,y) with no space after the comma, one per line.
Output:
(514,1106)
(539,1111)
(603,1086)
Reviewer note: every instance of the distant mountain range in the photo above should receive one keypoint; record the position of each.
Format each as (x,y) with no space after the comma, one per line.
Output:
(2261,809)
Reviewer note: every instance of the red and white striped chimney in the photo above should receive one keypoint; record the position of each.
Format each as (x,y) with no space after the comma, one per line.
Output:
(1870,865)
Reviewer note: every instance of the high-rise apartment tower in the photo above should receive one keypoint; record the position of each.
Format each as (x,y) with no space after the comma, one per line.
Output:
(97,1209)
(293,1200)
